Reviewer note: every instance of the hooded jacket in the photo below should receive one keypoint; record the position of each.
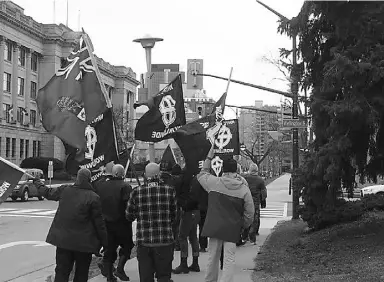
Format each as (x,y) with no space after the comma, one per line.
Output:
(257,187)
(230,205)
(78,224)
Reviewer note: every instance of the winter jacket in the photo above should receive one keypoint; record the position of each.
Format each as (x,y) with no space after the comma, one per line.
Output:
(78,224)
(114,195)
(184,199)
(257,186)
(230,205)
(199,195)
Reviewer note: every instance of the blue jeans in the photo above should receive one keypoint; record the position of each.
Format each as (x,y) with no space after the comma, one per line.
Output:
(188,230)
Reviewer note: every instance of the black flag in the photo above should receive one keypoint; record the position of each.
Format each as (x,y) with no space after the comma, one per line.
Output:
(227,139)
(100,144)
(192,137)
(166,114)
(168,160)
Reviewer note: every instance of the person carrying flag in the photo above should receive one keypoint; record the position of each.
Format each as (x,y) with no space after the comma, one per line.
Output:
(78,229)
(230,209)
(114,194)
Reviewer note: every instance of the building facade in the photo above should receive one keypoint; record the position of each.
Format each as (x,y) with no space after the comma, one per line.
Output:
(30,54)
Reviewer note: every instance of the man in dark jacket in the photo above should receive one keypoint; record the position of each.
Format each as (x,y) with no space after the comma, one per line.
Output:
(78,229)
(259,194)
(190,218)
(114,194)
(201,196)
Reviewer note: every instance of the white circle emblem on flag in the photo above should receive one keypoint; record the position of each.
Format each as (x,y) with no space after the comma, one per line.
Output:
(91,139)
(168,110)
(223,137)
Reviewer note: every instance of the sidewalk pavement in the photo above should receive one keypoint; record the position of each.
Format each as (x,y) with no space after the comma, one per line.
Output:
(245,256)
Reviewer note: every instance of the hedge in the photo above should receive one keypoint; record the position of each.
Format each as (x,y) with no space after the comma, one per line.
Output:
(42,163)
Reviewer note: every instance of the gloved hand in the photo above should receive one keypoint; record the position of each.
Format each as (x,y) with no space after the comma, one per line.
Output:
(263,204)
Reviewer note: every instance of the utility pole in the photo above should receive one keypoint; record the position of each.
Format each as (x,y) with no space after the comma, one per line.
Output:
(295,102)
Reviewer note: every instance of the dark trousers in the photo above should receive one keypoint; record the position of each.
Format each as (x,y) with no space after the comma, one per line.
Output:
(203,241)
(188,230)
(64,265)
(155,260)
(119,234)
(176,227)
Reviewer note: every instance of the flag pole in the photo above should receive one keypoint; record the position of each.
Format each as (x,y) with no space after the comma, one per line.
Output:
(15,167)
(229,80)
(129,159)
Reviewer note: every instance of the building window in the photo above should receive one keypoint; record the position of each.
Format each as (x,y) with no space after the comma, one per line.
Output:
(33,117)
(13,147)
(34,148)
(110,92)
(34,62)
(7,82)
(20,86)
(22,57)
(7,147)
(6,109)
(33,90)
(38,148)
(128,96)
(21,148)
(26,148)
(8,51)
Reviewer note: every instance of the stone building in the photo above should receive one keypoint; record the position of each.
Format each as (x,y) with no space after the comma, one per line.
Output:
(30,54)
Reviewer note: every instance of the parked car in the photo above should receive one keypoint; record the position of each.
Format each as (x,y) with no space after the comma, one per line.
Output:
(25,189)
(374,189)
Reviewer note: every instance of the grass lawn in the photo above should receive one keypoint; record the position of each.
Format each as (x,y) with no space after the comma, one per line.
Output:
(347,252)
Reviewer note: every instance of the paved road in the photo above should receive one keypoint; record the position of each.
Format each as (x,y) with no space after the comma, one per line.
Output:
(24,226)
(22,236)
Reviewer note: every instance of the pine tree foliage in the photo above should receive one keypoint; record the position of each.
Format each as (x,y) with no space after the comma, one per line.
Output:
(341,46)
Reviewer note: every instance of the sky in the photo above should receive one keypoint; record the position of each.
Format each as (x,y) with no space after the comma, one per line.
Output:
(224,33)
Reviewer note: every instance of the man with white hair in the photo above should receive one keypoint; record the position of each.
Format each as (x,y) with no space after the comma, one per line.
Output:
(154,207)
(259,194)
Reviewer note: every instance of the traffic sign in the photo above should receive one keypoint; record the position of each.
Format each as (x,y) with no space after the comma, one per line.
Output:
(50,169)
(294,123)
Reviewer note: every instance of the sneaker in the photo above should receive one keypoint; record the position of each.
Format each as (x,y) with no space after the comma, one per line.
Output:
(203,250)
(241,243)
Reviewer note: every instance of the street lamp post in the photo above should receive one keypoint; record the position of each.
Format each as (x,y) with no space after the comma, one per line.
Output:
(295,101)
(148,43)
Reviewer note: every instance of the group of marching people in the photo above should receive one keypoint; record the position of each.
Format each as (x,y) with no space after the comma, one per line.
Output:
(168,209)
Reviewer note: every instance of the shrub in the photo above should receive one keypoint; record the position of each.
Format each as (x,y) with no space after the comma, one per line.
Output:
(61,175)
(42,163)
(342,212)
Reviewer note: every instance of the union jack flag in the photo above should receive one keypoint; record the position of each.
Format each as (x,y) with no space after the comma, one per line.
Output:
(74,97)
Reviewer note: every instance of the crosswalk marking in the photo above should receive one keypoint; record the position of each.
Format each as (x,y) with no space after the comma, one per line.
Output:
(33,213)
(274,210)
(7,209)
(24,211)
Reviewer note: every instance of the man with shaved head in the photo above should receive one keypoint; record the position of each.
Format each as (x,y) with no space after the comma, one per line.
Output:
(154,207)
(114,193)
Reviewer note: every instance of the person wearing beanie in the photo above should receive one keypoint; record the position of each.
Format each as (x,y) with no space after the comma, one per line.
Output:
(78,229)
(230,209)
(154,207)
(259,194)
(114,194)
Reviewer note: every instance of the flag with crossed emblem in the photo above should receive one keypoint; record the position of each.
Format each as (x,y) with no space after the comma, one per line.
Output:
(227,138)
(73,97)
(100,150)
(166,114)
(10,175)
(195,138)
